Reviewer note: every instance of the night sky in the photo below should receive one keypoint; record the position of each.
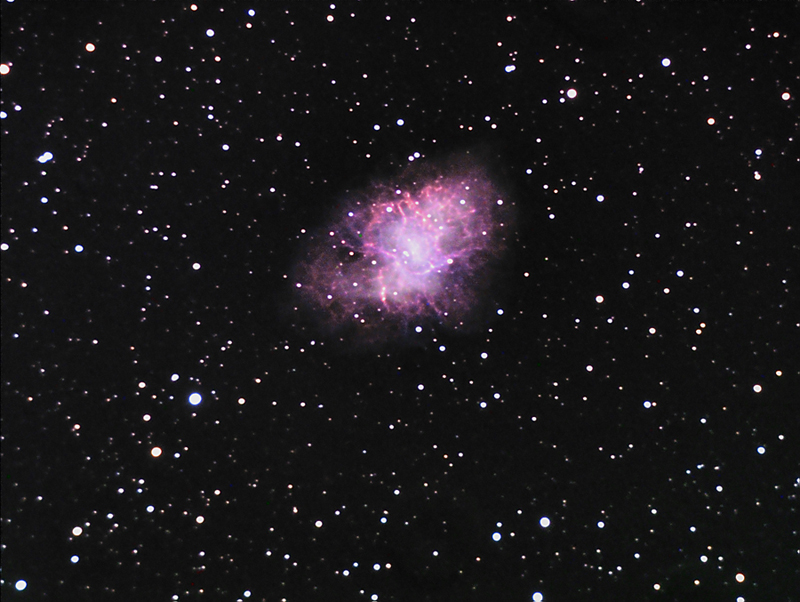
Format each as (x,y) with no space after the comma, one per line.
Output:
(596,399)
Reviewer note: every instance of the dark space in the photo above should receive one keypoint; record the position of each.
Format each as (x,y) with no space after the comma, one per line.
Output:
(607,413)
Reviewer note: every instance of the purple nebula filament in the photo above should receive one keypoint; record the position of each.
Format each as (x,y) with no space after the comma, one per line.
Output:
(405,253)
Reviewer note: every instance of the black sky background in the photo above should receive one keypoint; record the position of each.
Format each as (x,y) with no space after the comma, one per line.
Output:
(302,423)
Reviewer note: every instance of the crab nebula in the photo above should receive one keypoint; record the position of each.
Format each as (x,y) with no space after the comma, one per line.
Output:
(405,253)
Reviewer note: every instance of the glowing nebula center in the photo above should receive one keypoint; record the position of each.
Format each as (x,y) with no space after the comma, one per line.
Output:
(404,253)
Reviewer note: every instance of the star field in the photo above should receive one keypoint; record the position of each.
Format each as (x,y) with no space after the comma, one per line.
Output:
(391,301)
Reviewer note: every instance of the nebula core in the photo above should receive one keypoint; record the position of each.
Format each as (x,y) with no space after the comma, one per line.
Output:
(405,253)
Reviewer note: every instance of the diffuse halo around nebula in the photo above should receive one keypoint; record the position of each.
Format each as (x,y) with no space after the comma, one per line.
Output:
(422,248)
